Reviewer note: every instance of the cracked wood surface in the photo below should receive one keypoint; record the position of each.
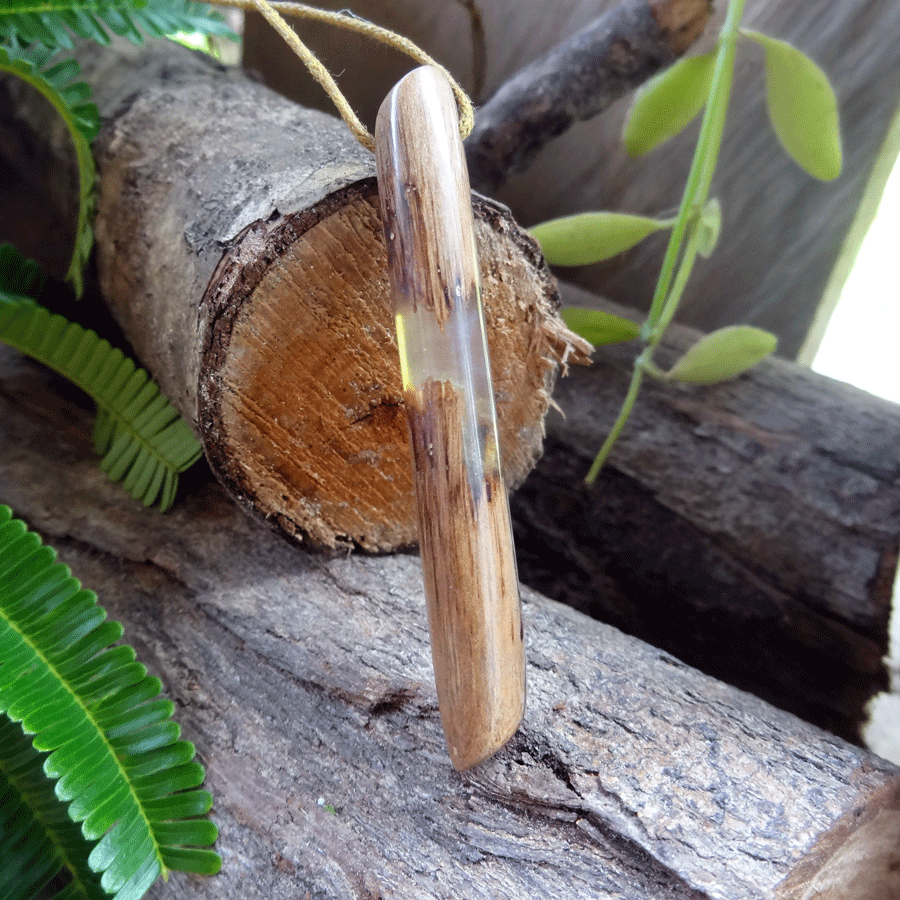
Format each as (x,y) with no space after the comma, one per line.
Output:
(305,682)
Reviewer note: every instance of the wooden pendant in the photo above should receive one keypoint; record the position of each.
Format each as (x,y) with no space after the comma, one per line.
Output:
(465,539)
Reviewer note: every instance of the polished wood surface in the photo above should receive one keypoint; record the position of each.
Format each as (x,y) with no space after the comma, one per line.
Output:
(468,561)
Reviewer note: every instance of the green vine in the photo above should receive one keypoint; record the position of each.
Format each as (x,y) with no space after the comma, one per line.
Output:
(803,112)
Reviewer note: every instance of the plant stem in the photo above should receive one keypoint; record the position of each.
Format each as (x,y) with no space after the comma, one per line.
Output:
(675,294)
(705,156)
(637,376)
(670,286)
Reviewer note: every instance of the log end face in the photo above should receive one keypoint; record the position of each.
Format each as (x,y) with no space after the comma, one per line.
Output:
(300,390)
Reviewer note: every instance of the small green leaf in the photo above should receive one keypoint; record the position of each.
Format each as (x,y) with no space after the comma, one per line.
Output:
(592,237)
(802,107)
(666,104)
(708,228)
(723,354)
(599,327)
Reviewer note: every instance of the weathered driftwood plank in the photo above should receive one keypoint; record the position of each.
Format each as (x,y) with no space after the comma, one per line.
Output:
(239,246)
(305,682)
(751,528)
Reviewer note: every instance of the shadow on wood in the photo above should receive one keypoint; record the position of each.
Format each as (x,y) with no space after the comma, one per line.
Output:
(751,528)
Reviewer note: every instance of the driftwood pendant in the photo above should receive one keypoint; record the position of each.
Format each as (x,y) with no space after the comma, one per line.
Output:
(468,561)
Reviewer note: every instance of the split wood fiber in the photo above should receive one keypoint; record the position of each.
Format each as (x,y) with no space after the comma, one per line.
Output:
(465,538)
(240,249)
(305,684)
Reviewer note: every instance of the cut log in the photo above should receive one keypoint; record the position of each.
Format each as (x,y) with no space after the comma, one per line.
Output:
(305,683)
(239,247)
(739,526)
(751,528)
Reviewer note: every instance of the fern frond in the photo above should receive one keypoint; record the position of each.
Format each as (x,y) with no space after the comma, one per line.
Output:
(142,438)
(38,840)
(52,22)
(60,83)
(112,749)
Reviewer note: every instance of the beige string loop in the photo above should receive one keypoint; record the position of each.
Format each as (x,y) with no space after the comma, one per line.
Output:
(272,12)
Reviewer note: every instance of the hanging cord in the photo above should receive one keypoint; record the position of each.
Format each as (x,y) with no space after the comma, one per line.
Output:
(272,12)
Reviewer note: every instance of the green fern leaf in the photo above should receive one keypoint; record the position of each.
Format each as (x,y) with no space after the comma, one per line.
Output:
(142,438)
(110,746)
(39,840)
(60,84)
(53,22)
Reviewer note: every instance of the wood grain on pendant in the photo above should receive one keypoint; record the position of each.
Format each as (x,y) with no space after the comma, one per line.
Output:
(465,538)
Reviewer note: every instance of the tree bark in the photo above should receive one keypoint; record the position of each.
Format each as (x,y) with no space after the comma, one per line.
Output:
(239,247)
(766,511)
(752,528)
(576,81)
(305,683)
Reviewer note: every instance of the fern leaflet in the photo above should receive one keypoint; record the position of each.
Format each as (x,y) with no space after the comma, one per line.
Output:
(39,839)
(142,438)
(60,84)
(113,751)
(50,22)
